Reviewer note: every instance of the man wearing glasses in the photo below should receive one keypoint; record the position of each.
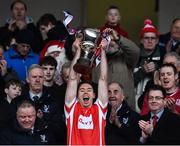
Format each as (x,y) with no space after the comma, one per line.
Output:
(159,126)
(150,57)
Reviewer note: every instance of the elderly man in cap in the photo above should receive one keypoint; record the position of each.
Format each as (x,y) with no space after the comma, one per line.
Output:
(20,56)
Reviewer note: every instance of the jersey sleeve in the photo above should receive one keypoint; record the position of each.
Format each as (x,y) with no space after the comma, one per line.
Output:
(102,108)
(69,106)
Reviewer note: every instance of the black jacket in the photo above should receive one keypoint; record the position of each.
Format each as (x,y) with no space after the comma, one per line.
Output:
(128,132)
(6,35)
(6,116)
(52,114)
(166,130)
(15,135)
(163,41)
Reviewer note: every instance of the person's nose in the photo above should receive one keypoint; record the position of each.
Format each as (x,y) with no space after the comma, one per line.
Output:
(37,79)
(48,71)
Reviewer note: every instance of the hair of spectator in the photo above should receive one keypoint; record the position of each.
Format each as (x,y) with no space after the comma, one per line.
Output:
(173,54)
(33,66)
(157,87)
(175,20)
(18,1)
(46,19)
(13,82)
(169,65)
(120,85)
(66,65)
(48,60)
(112,7)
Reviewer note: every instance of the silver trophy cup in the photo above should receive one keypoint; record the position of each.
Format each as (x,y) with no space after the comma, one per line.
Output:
(88,46)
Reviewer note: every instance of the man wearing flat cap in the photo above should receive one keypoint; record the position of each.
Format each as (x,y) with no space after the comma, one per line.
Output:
(20,56)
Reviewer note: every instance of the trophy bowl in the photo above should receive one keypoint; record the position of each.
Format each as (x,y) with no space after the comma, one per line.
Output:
(88,46)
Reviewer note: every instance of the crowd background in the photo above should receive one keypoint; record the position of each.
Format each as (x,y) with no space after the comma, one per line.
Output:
(36,70)
(133,12)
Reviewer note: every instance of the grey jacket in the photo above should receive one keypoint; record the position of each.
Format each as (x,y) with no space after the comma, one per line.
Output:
(121,63)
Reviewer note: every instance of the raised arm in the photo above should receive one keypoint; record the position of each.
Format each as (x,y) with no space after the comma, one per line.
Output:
(73,76)
(126,47)
(102,84)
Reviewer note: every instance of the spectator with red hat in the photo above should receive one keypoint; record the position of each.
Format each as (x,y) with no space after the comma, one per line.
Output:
(150,57)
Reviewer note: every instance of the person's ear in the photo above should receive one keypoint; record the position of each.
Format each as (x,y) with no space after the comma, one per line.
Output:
(157,41)
(6,90)
(27,79)
(94,95)
(176,76)
(142,41)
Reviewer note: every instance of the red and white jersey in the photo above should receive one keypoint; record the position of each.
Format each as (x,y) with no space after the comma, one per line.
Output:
(176,96)
(85,126)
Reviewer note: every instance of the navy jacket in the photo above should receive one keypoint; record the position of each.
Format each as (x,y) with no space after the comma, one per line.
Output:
(167,129)
(128,132)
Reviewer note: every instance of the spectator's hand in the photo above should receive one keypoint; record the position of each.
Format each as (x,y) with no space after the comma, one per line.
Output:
(12,25)
(3,67)
(113,34)
(146,128)
(156,78)
(21,24)
(149,66)
(113,113)
(39,114)
(171,104)
(103,45)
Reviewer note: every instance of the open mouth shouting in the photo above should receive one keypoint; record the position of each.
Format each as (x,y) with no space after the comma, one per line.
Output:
(86,99)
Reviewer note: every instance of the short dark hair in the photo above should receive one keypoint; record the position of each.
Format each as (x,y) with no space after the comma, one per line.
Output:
(46,19)
(13,82)
(175,20)
(94,86)
(85,82)
(18,1)
(112,7)
(156,87)
(48,60)
(169,65)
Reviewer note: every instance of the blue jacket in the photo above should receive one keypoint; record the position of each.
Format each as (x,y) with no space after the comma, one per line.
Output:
(20,64)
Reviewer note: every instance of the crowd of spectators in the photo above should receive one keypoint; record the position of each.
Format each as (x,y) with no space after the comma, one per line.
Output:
(132,95)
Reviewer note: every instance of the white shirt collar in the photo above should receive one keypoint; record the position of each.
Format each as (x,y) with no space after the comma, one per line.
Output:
(32,95)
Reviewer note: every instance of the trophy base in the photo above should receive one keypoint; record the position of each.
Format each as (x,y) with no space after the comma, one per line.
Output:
(83,66)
